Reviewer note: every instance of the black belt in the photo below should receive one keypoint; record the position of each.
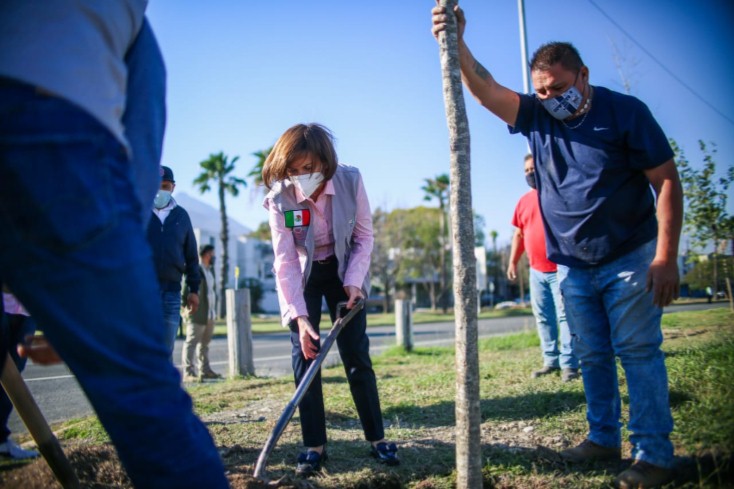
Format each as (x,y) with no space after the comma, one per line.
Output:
(326,260)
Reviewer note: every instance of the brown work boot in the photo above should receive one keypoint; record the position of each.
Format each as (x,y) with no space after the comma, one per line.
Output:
(569,374)
(588,451)
(643,475)
(210,374)
(544,371)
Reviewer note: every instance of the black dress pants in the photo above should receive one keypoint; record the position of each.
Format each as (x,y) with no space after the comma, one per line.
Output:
(353,345)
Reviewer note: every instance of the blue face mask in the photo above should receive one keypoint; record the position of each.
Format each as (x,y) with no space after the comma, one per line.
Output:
(162,198)
(530,179)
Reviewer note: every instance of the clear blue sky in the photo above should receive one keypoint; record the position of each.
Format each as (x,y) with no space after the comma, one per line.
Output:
(241,72)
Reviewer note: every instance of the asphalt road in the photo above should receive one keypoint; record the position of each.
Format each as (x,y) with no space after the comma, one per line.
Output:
(60,398)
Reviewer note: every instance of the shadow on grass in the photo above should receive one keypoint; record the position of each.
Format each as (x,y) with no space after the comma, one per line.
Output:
(423,459)
(513,408)
(676,398)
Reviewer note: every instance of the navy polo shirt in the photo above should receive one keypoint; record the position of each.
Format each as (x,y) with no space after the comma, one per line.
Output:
(596,202)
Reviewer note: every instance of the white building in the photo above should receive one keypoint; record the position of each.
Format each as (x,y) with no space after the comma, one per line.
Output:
(253,257)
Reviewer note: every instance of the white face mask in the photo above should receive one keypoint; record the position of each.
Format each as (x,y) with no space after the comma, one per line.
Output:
(307,183)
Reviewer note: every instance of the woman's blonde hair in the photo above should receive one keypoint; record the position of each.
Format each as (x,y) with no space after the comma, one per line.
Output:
(298,141)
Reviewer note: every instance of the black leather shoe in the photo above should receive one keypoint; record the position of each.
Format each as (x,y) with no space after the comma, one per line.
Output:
(310,462)
(386,453)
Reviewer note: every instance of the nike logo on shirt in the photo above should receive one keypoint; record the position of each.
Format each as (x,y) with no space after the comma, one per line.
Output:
(600,128)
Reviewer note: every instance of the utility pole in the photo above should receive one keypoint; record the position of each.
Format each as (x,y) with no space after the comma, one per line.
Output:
(523,46)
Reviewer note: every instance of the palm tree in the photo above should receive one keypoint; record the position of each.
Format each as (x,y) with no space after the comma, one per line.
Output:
(468,446)
(257,171)
(437,188)
(217,169)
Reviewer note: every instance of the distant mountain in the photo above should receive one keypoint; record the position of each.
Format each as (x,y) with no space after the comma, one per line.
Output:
(206,217)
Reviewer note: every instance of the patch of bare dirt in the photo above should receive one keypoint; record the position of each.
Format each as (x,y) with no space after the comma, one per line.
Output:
(96,467)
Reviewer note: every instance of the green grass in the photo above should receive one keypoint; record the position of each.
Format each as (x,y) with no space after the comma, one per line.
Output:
(518,415)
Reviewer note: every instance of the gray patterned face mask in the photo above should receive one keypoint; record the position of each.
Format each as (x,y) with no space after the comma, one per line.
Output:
(565,105)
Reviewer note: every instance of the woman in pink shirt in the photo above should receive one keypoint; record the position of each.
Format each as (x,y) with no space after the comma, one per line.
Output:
(321,228)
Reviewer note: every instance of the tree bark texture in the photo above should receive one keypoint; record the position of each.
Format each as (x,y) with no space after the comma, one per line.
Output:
(468,446)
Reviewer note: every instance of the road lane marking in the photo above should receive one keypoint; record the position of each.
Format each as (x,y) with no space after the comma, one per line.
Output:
(56,377)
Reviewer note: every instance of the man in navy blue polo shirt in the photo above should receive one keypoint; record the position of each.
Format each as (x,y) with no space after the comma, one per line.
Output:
(597,154)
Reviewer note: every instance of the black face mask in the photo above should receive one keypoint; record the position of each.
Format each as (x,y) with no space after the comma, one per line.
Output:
(211,262)
(530,178)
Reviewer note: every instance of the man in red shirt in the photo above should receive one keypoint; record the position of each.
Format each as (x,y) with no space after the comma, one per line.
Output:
(545,295)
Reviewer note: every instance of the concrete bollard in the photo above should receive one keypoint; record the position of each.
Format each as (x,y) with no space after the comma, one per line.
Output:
(239,333)
(404,324)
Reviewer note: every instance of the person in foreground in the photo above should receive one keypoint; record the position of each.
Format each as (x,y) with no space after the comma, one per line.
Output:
(597,152)
(322,238)
(545,294)
(72,246)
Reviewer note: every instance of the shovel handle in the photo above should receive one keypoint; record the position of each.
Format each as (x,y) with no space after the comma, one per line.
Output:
(31,415)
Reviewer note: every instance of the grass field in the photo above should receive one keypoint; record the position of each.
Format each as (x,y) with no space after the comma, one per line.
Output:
(524,421)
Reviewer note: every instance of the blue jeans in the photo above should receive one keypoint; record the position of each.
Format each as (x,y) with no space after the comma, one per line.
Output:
(550,318)
(171,316)
(73,250)
(611,315)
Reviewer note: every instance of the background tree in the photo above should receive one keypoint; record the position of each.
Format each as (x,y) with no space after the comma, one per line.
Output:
(256,173)
(468,446)
(705,218)
(421,249)
(262,232)
(217,171)
(699,276)
(479,225)
(626,63)
(438,188)
(386,252)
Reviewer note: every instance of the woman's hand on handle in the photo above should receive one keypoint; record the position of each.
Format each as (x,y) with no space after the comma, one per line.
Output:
(353,294)
(306,334)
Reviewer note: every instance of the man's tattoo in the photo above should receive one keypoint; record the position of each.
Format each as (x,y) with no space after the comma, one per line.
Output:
(481,70)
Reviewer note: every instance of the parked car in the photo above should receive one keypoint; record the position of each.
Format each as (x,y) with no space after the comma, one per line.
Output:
(375,303)
(506,305)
